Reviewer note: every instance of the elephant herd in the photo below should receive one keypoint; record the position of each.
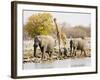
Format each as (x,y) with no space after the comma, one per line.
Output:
(47,44)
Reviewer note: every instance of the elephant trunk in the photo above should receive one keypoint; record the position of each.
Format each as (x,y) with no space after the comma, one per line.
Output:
(35,48)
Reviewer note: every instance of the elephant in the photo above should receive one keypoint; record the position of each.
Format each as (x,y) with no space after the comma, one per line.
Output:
(77,45)
(46,43)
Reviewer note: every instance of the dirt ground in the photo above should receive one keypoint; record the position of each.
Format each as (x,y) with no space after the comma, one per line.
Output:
(28,56)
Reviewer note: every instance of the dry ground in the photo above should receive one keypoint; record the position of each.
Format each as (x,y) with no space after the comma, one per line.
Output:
(28,56)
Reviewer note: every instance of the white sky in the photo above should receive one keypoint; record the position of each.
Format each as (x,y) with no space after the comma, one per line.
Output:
(62,17)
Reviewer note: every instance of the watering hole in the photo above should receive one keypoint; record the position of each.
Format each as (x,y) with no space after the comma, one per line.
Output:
(66,63)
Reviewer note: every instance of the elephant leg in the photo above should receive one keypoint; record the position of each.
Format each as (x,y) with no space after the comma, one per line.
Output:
(35,47)
(50,54)
(85,53)
(34,52)
(42,50)
(81,53)
(75,53)
(70,51)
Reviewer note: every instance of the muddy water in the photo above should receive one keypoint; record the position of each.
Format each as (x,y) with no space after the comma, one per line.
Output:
(75,62)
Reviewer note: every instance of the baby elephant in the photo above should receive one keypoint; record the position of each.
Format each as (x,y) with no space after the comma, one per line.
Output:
(45,43)
(77,45)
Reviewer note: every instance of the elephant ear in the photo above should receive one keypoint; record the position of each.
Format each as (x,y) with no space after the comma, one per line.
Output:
(43,42)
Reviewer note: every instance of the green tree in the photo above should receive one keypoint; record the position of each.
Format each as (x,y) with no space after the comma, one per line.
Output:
(39,24)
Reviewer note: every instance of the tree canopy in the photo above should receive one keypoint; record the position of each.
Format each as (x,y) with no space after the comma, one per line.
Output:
(39,24)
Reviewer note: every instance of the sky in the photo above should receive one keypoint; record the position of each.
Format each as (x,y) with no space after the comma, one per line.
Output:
(64,17)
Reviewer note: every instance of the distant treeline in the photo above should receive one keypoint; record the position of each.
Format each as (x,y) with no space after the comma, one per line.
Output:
(77,31)
(74,32)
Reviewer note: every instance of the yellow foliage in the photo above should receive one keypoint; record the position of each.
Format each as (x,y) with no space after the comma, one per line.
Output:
(39,24)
